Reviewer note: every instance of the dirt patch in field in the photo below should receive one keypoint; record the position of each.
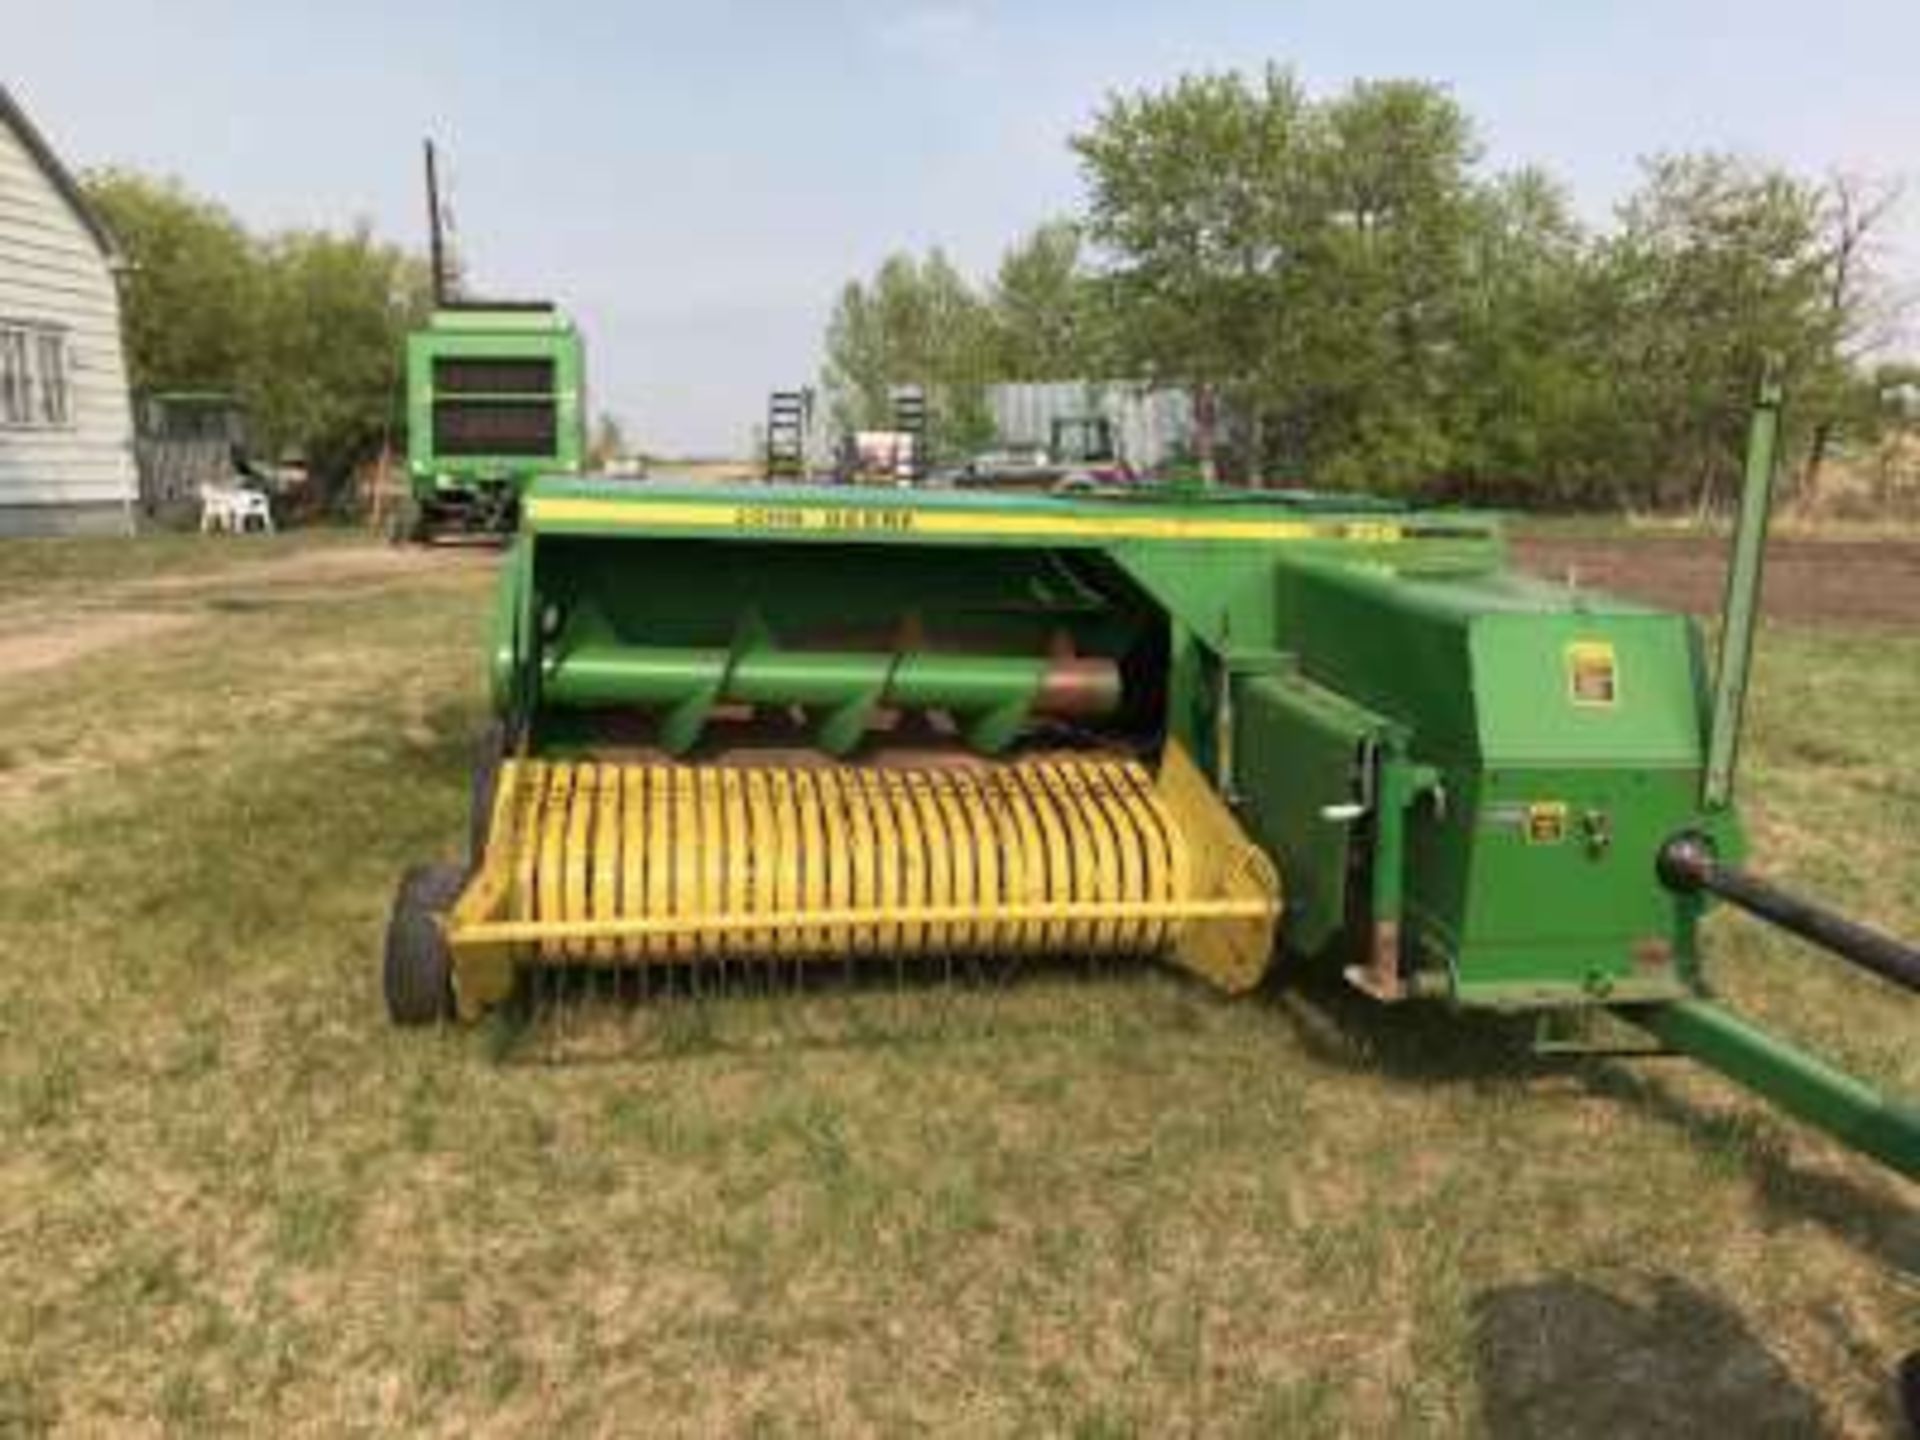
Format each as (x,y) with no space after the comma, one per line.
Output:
(372,562)
(1834,582)
(63,644)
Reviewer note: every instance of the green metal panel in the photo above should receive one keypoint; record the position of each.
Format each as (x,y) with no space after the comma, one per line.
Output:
(511,642)
(493,335)
(1530,881)
(1299,770)
(530,319)
(1542,886)
(1536,887)
(1525,709)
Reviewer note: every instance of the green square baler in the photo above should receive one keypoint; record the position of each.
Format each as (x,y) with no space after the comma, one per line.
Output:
(787,725)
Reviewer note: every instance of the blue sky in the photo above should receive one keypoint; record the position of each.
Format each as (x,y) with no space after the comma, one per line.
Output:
(695,180)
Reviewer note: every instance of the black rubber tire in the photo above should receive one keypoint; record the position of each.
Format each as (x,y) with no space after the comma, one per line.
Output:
(491,749)
(418,972)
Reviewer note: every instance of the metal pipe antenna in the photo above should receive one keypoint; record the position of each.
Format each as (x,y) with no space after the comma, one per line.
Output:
(436,246)
(441,255)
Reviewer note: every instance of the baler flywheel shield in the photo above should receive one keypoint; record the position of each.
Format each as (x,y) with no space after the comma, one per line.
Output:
(602,864)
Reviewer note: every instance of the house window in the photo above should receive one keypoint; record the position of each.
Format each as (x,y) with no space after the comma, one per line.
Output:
(16,390)
(56,401)
(36,388)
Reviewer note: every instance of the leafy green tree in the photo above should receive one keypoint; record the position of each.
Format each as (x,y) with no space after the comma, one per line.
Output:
(1360,305)
(1304,261)
(305,327)
(1527,399)
(917,322)
(192,287)
(1375,313)
(1381,287)
(1717,265)
(1202,197)
(325,373)
(1866,314)
(1048,322)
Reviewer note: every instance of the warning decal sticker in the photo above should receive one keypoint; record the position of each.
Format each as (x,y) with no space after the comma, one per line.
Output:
(1592,673)
(1546,822)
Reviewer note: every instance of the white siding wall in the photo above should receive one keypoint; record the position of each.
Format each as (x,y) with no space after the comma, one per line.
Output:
(52,273)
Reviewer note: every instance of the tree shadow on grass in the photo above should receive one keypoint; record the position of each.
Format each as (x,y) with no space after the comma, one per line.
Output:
(1564,1359)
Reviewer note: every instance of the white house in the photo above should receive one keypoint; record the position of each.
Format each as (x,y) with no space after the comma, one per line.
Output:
(66,426)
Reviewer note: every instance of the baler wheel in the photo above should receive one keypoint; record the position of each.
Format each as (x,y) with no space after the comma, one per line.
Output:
(418,971)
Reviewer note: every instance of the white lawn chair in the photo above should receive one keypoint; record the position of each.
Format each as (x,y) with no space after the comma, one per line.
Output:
(234,510)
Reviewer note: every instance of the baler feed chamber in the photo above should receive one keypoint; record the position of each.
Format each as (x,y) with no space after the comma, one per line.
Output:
(689,649)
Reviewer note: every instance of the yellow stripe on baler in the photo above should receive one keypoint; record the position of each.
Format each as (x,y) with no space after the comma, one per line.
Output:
(866,519)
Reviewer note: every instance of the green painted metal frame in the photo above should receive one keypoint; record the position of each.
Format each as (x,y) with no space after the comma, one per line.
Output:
(1801,1084)
(1741,609)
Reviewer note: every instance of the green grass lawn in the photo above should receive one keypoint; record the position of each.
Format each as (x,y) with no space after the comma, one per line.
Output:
(1089,1203)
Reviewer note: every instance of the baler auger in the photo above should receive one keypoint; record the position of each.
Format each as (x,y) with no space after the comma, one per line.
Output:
(800,724)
